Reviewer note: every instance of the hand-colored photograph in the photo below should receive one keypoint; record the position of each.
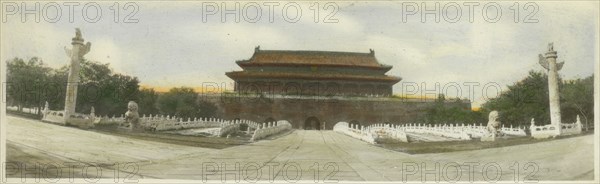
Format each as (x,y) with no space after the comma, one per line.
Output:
(299,91)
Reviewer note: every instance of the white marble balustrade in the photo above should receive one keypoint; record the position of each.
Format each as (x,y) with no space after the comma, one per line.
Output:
(270,128)
(354,131)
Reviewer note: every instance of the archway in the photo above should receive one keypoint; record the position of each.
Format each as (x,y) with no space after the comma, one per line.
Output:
(312,123)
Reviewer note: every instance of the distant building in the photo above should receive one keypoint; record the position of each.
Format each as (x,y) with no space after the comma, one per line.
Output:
(316,89)
(313,73)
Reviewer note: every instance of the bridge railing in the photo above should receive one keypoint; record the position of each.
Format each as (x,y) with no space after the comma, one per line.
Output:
(514,131)
(228,127)
(76,119)
(398,132)
(571,128)
(53,116)
(450,131)
(354,131)
(270,128)
(456,131)
(551,130)
(165,123)
(388,130)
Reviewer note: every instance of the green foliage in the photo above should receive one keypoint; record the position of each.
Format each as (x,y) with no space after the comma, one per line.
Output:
(183,102)
(528,99)
(147,103)
(56,88)
(32,83)
(577,98)
(207,109)
(26,82)
(104,90)
(451,112)
(524,100)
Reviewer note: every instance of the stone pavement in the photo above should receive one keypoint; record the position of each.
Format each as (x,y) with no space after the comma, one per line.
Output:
(308,155)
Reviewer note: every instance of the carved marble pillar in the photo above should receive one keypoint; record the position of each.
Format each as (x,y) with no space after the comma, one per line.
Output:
(550,64)
(76,55)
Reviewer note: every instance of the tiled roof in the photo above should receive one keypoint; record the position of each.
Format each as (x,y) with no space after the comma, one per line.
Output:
(292,75)
(321,58)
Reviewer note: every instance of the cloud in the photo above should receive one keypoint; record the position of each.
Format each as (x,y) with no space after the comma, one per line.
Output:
(105,49)
(26,40)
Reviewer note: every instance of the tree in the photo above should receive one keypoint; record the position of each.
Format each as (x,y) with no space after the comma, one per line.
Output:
(148,101)
(522,101)
(32,83)
(180,102)
(26,83)
(207,109)
(528,99)
(577,98)
(184,102)
(104,90)
(444,111)
(56,88)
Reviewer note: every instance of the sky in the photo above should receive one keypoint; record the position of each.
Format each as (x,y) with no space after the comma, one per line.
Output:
(472,55)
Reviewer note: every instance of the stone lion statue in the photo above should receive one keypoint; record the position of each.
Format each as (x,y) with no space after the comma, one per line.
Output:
(493,125)
(132,116)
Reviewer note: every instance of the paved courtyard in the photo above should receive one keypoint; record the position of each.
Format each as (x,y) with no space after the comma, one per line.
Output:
(300,155)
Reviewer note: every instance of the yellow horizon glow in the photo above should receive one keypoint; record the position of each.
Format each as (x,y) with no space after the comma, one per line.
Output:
(164,89)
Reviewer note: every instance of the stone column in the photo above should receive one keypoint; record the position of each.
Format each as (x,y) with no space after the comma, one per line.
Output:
(76,55)
(550,64)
